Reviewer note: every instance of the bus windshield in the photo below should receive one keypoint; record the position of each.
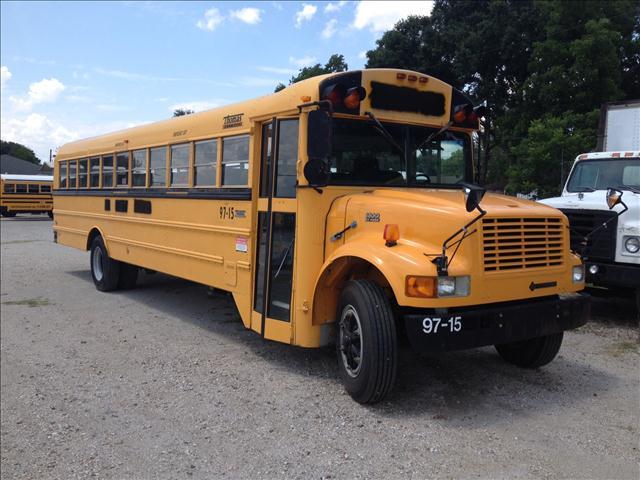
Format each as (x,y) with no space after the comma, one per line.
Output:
(591,175)
(361,155)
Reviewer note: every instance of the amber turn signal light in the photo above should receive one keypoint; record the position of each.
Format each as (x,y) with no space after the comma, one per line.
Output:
(422,287)
(391,234)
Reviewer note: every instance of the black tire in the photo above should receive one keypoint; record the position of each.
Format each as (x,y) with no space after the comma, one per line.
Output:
(9,214)
(532,353)
(50,213)
(371,378)
(128,276)
(105,271)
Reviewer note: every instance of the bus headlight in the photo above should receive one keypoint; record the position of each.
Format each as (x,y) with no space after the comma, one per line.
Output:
(632,244)
(434,287)
(578,274)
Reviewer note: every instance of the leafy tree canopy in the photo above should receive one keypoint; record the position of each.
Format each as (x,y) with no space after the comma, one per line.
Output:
(336,63)
(544,67)
(179,112)
(19,151)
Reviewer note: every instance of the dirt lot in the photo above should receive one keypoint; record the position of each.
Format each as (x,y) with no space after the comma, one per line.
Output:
(164,382)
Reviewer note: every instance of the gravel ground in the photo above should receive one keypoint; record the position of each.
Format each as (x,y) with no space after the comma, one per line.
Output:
(164,382)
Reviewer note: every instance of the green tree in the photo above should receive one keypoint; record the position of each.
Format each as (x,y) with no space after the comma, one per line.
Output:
(19,151)
(179,112)
(336,63)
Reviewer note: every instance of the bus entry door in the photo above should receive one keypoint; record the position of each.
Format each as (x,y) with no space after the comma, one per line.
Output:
(275,245)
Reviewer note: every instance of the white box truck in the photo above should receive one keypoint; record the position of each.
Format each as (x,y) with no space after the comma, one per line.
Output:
(612,254)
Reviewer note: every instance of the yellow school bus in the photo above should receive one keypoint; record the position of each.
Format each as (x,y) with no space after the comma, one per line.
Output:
(25,194)
(338,210)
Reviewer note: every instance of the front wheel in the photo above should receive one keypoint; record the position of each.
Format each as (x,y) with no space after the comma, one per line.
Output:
(366,341)
(532,353)
(104,269)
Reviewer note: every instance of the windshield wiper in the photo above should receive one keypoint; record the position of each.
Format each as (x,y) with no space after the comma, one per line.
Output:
(628,187)
(585,189)
(435,134)
(385,133)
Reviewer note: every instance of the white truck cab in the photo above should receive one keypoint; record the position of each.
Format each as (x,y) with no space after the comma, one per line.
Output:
(612,255)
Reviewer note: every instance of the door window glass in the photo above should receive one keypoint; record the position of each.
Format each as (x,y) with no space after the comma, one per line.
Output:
(287,159)
(281,268)
(261,255)
(265,167)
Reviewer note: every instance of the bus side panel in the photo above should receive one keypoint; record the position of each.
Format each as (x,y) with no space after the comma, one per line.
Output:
(195,239)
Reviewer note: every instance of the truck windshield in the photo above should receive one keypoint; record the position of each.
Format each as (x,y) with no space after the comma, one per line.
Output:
(591,175)
(361,155)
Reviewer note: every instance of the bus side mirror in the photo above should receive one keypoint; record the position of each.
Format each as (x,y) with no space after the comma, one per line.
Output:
(473,196)
(319,137)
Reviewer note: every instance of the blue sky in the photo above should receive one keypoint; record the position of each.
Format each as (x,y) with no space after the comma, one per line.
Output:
(77,69)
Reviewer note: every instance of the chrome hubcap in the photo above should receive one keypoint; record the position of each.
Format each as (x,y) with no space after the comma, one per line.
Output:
(350,340)
(97,264)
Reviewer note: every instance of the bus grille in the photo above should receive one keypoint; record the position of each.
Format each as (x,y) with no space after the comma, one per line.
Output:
(522,243)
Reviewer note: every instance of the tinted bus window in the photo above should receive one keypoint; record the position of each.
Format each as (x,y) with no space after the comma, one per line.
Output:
(206,162)
(9,188)
(33,188)
(21,188)
(107,171)
(235,160)
(45,189)
(122,169)
(94,172)
(158,167)
(180,165)
(139,168)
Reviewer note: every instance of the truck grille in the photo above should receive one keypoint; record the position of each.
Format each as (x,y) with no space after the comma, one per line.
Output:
(602,243)
(522,243)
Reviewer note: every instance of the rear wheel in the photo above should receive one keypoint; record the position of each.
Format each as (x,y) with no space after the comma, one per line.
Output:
(104,270)
(128,276)
(50,213)
(532,353)
(8,214)
(366,341)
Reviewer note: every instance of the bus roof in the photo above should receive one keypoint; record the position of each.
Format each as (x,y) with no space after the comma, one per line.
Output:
(230,119)
(27,178)
(607,155)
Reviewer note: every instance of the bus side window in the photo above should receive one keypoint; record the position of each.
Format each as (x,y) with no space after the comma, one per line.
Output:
(33,188)
(73,165)
(9,188)
(82,173)
(235,160)
(139,168)
(179,174)
(21,188)
(107,172)
(158,167)
(45,189)
(63,175)
(206,162)
(122,169)
(94,172)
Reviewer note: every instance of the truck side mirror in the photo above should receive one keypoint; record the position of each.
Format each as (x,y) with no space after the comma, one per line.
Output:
(319,139)
(614,197)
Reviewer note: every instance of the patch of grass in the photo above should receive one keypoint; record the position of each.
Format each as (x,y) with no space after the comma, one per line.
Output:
(622,348)
(30,302)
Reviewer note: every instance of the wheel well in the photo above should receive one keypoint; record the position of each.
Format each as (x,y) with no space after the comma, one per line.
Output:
(92,234)
(332,281)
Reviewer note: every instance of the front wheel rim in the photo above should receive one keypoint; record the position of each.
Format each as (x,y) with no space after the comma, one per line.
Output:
(97,264)
(350,341)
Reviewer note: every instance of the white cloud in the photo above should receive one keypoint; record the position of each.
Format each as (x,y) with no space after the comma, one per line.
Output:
(247,15)
(382,16)
(5,76)
(211,20)
(196,106)
(302,62)
(37,132)
(334,7)
(330,29)
(278,70)
(306,14)
(46,90)
(362,55)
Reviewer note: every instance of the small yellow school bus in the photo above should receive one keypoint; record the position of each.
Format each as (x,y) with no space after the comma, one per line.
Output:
(338,210)
(25,194)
